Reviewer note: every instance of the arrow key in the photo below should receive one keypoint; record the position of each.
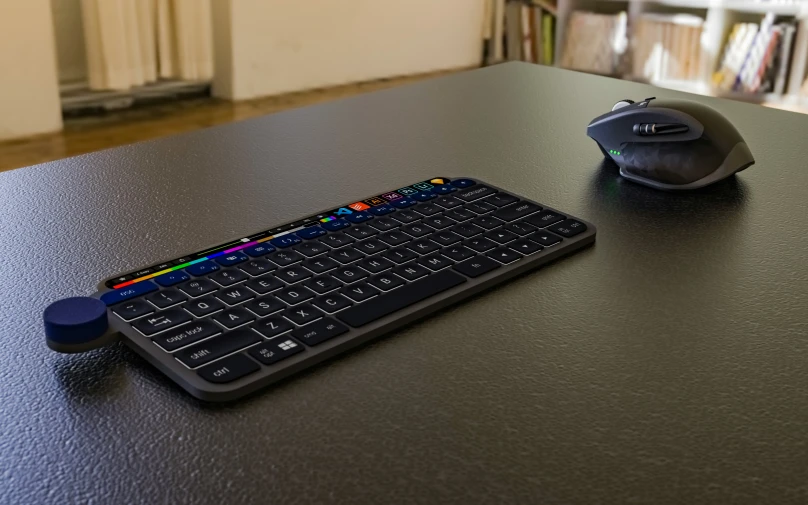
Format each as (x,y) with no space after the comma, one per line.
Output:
(504,255)
(545,238)
(525,246)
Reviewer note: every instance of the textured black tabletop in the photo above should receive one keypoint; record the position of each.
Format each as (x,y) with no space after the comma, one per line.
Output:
(668,364)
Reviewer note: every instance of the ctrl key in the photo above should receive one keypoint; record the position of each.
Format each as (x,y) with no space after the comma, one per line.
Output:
(229,369)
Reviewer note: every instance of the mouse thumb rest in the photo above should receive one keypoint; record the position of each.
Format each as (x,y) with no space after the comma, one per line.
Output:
(77,324)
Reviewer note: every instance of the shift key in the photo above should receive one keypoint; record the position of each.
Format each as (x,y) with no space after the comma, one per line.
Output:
(216,347)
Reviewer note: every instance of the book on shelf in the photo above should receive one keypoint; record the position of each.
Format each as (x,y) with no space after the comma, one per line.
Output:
(521,30)
(666,47)
(594,42)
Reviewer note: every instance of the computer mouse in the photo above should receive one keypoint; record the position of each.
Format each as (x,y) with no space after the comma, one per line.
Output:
(670,144)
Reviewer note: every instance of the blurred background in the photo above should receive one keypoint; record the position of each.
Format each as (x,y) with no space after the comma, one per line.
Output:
(83,75)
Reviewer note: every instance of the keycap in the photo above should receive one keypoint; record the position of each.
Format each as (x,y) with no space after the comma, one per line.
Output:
(346,255)
(515,211)
(423,196)
(166,298)
(544,218)
(275,350)
(265,306)
(258,250)
(407,216)
(384,223)
(463,183)
(302,314)
(394,238)
(360,291)
(479,207)
(310,232)
(474,193)
(294,294)
(198,287)
(443,189)
(216,347)
(132,309)
(293,274)
(400,255)
(285,241)
(435,261)
(386,281)
(320,264)
(501,235)
(480,244)
(361,231)
(545,238)
(228,277)
(428,209)
(264,284)
(459,214)
(229,369)
(127,293)
(233,318)
(258,267)
(337,224)
(171,278)
(371,246)
(375,264)
(331,303)
(186,335)
(337,239)
(439,222)
(376,308)
(446,238)
(503,255)
(423,246)
(201,307)
(448,202)
(320,331)
(403,203)
(525,246)
(417,229)
(568,228)
(501,199)
(487,222)
(202,268)
(273,326)
(411,271)
(284,258)
(457,252)
(232,259)
(349,274)
(359,217)
(234,295)
(521,228)
(312,248)
(467,230)
(160,321)
(381,210)
(322,284)
(476,266)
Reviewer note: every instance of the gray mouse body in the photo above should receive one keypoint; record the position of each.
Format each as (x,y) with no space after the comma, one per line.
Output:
(670,144)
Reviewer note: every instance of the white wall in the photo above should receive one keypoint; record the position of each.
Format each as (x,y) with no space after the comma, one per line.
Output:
(68,27)
(278,46)
(29,94)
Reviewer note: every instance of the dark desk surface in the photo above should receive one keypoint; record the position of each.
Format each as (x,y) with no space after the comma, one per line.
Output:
(667,365)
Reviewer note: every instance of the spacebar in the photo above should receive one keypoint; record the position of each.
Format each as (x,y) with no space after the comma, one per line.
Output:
(387,303)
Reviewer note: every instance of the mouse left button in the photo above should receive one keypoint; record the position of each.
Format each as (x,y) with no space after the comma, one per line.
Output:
(76,324)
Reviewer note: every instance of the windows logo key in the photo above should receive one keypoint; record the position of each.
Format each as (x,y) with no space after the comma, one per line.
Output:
(289,344)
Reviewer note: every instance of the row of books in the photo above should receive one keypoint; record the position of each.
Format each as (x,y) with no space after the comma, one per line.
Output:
(756,57)
(595,42)
(667,47)
(521,30)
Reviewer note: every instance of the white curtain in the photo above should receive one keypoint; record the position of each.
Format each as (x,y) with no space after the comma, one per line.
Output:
(135,42)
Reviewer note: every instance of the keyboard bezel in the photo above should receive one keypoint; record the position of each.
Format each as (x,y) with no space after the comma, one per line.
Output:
(189,380)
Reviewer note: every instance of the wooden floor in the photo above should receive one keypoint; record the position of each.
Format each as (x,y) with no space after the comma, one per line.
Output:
(124,127)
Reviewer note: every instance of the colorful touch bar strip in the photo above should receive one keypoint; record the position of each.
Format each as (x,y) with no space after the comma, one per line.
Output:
(127,280)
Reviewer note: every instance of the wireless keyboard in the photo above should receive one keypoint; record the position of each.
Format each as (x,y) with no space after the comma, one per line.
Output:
(236,317)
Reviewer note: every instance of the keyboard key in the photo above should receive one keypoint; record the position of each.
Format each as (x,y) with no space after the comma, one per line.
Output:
(234,317)
(439,222)
(501,199)
(265,306)
(202,268)
(423,196)
(361,231)
(417,230)
(480,207)
(272,326)
(322,284)
(171,278)
(264,284)
(198,287)
(371,310)
(375,264)
(515,211)
(386,281)
(521,228)
(186,335)
(435,262)
(349,274)
(234,295)
(295,294)
(394,238)
(476,266)
(302,314)
(229,369)
(358,217)
(201,307)
(346,255)
(428,209)
(258,267)
(458,252)
(127,293)
(310,232)
(545,218)
(161,321)
(228,277)
(459,214)
(504,255)
(403,203)
(311,248)
(258,250)
(448,202)
(320,331)
(285,258)
(463,183)
(166,298)
(337,224)
(371,246)
(480,244)
(276,350)
(320,265)
(501,235)
(337,240)
(331,303)
(407,216)
(467,229)
(216,347)
(487,222)
(360,291)
(400,255)
(232,259)
(445,237)
(385,223)
(475,193)
(443,189)
(423,246)
(285,241)
(568,228)
(525,246)
(293,274)
(132,309)
(381,210)
(411,271)
(545,238)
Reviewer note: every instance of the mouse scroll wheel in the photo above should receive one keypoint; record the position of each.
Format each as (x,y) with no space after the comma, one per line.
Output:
(621,104)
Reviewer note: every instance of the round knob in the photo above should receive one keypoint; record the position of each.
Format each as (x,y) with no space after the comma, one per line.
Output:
(75,324)
(621,104)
